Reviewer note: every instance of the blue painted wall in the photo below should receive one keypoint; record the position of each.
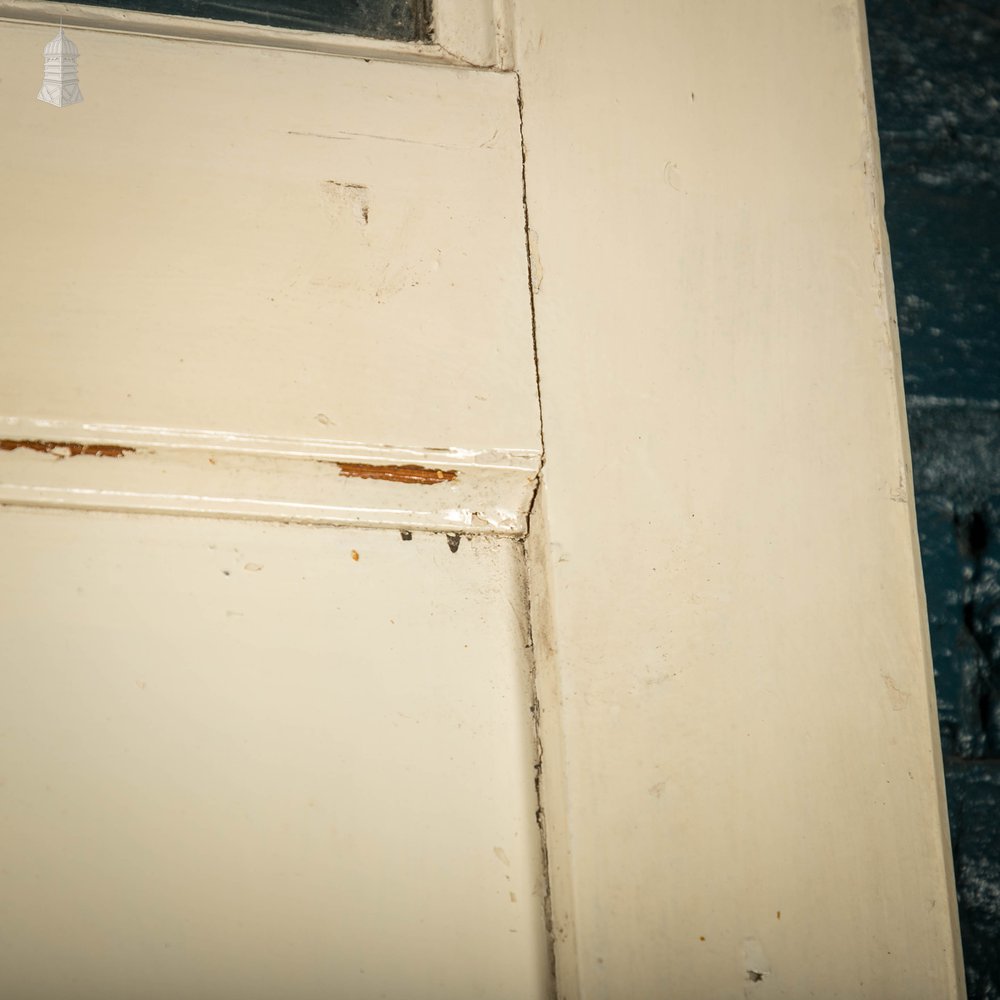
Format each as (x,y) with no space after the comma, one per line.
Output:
(937,84)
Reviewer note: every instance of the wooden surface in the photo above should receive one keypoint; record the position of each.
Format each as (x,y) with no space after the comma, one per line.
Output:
(244,759)
(227,256)
(741,768)
(442,489)
(247,761)
(741,781)
(342,240)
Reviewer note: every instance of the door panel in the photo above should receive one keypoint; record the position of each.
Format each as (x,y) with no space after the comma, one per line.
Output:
(250,760)
(284,246)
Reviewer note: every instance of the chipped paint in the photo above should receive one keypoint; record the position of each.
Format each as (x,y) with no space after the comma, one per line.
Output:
(354,198)
(231,483)
(756,966)
(397,473)
(67,449)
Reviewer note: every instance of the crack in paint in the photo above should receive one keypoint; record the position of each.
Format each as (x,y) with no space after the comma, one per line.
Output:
(531,255)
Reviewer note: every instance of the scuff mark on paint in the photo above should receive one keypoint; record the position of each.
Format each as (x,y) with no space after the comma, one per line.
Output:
(897,696)
(353,197)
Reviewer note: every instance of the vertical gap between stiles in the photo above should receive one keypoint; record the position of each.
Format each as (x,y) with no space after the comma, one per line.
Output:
(533,662)
(535,712)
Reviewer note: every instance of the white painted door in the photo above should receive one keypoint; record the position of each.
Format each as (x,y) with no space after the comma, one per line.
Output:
(269,431)
(264,310)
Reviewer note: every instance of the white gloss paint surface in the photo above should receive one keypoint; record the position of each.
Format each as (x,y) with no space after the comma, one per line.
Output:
(231,476)
(239,762)
(250,265)
(230,240)
(243,758)
(741,760)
